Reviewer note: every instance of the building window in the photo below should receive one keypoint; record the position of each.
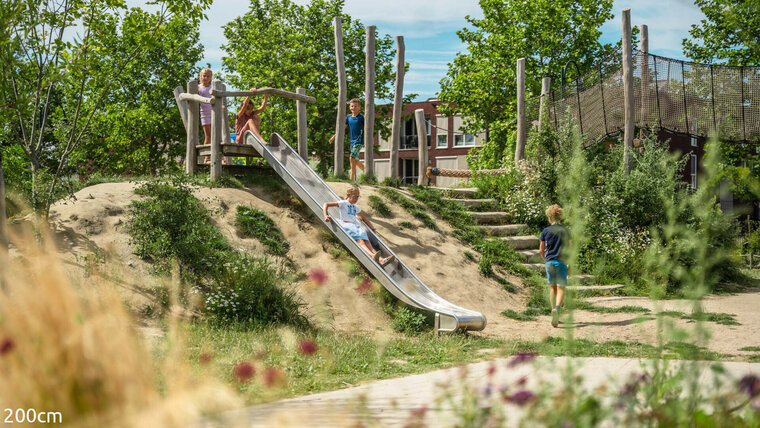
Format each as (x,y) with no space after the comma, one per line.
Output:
(693,141)
(410,171)
(442,140)
(464,140)
(694,172)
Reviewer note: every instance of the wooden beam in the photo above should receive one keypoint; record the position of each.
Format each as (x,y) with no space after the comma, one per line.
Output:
(340,118)
(644,52)
(628,101)
(303,148)
(3,220)
(181,105)
(266,91)
(422,145)
(397,106)
(217,121)
(196,97)
(193,118)
(522,128)
(369,103)
(542,109)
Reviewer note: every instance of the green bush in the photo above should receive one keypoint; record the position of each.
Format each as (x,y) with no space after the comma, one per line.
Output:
(408,321)
(255,223)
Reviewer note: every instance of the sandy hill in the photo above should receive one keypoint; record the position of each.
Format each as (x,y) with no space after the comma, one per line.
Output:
(92,223)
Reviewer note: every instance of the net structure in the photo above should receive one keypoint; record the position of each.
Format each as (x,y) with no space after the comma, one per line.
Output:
(678,96)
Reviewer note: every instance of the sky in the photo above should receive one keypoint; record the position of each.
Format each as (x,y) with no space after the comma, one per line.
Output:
(429,28)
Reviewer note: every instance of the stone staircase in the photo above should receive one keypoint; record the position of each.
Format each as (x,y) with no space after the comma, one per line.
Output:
(495,225)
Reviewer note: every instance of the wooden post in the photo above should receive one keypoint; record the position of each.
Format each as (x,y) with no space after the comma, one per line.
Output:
(226,139)
(3,220)
(522,134)
(340,120)
(193,118)
(217,119)
(369,104)
(181,105)
(397,106)
(644,52)
(422,145)
(303,149)
(627,91)
(542,109)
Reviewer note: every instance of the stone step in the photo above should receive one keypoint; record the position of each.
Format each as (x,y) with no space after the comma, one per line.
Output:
(503,229)
(489,217)
(531,256)
(595,287)
(526,242)
(462,192)
(583,278)
(470,203)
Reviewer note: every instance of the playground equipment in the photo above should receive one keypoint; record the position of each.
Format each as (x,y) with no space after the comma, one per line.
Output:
(396,277)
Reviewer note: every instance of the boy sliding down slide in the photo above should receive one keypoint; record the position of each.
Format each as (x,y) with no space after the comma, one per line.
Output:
(350,223)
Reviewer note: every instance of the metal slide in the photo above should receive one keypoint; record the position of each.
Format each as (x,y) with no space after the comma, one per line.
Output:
(395,276)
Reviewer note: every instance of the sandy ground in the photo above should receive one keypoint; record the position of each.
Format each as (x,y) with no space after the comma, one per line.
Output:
(93,223)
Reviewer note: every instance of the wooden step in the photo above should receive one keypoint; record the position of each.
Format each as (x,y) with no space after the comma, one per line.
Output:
(489,217)
(470,203)
(237,150)
(525,242)
(503,229)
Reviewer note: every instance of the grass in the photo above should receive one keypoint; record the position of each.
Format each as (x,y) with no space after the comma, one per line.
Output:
(254,223)
(380,206)
(750,348)
(418,211)
(406,225)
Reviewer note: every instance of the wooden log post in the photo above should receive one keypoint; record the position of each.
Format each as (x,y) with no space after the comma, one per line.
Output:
(340,120)
(226,138)
(644,64)
(217,121)
(181,105)
(397,106)
(628,101)
(303,149)
(3,220)
(522,129)
(542,108)
(422,145)
(193,119)
(369,103)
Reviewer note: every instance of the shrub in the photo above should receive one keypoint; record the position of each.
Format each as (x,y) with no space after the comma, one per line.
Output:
(257,224)
(408,321)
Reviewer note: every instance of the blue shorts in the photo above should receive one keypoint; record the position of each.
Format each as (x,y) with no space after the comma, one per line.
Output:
(556,273)
(355,149)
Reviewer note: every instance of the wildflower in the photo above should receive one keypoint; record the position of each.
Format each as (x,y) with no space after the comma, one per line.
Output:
(273,376)
(488,390)
(318,276)
(307,347)
(364,286)
(6,346)
(206,357)
(750,384)
(418,413)
(521,397)
(521,358)
(522,381)
(244,371)
(491,369)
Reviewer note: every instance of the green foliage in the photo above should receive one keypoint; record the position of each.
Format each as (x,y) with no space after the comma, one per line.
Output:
(396,182)
(407,225)
(255,223)
(729,33)
(171,226)
(62,83)
(409,322)
(547,33)
(415,209)
(380,206)
(282,44)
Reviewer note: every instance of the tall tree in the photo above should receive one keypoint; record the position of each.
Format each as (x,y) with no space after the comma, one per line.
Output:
(281,44)
(63,70)
(548,33)
(730,33)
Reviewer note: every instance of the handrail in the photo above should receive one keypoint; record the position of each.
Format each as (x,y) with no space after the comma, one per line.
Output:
(265,91)
(196,97)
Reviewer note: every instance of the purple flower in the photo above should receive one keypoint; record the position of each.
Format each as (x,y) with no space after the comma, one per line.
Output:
(521,358)
(488,390)
(750,384)
(7,345)
(307,347)
(244,371)
(318,276)
(521,397)
(491,369)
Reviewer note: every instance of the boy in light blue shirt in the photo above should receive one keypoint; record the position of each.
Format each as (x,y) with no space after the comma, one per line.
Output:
(355,125)
(554,239)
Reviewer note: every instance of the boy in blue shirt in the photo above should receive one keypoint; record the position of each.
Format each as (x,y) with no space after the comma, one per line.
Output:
(554,239)
(355,124)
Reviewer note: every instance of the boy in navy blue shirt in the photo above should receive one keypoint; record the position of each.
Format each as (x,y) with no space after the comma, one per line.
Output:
(554,239)
(355,124)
